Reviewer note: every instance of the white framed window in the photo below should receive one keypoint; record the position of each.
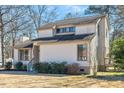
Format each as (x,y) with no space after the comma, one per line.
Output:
(24,55)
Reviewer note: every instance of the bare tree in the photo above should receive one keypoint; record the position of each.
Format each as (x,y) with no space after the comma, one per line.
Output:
(20,20)
(12,20)
(73,15)
(42,14)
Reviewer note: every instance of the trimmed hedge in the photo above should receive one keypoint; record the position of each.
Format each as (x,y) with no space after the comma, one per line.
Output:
(51,68)
(8,65)
(57,68)
(73,69)
(24,67)
(20,66)
(41,67)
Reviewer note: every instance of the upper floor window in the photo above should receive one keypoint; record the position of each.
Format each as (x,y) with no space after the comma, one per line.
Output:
(65,30)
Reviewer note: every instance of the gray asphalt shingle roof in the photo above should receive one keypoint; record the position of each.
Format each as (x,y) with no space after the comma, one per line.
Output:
(70,37)
(25,44)
(73,21)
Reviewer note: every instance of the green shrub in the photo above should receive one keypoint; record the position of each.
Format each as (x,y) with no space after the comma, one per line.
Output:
(73,69)
(44,67)
(24,67)
(53,67)
(36,67)
(41,67)
(63,67)
(8,65)
(58,68)
(19,66)
(117,53)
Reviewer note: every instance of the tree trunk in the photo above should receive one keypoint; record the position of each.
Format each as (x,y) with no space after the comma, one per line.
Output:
(2,50)
(13,44)
(2,39)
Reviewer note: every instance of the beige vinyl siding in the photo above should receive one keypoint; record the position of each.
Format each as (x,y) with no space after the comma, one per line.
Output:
(79,29)
(85,28)
(45,33)
(65,51)
(101,42)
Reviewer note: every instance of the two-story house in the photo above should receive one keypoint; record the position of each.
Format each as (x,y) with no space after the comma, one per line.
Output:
(83,40)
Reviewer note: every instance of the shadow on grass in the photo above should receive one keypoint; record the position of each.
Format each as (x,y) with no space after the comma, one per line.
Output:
(30,73)
(108,77)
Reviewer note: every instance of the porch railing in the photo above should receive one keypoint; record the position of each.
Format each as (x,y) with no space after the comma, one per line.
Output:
(30,66)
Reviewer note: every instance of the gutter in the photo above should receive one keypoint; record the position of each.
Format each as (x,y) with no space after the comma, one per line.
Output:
(90,45)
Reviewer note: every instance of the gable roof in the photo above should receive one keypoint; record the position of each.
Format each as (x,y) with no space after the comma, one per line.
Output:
(73,21)
(69,37)
(25,44)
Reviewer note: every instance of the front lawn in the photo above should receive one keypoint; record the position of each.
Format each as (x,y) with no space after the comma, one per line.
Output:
(110,73)
(25,80)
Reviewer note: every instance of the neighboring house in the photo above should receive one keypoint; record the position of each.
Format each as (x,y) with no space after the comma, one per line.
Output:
(83,40)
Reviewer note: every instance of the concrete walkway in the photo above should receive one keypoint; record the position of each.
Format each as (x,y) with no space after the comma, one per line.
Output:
(17,72)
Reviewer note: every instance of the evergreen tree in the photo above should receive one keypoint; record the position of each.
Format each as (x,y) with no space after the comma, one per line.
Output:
(118,53)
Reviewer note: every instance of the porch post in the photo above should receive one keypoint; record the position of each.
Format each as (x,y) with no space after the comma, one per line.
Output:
(36,54)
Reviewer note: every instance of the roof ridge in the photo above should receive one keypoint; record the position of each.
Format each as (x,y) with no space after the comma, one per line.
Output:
(98,15)
(75,20)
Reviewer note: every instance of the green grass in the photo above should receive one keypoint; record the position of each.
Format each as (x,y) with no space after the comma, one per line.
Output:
(110,73)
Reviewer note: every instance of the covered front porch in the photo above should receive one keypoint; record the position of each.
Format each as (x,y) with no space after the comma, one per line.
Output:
(27,53)
(23,52)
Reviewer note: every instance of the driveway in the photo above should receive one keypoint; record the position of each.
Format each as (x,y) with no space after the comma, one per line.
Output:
(31,80)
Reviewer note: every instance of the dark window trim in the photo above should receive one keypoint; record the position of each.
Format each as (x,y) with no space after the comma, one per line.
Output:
(65,30)
(82,56)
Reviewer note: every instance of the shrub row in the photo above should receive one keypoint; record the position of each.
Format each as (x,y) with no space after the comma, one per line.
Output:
(51,68)
(20,66)
(57,68)
(17,66)
(73,69)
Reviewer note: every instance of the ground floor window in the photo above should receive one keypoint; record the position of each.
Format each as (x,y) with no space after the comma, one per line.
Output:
(82,52)
(24,55)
